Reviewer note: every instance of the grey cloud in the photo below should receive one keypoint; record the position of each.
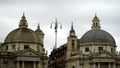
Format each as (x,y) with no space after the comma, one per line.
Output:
(81,12)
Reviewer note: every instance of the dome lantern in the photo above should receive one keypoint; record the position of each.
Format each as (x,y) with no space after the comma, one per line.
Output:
(23,22)
(95,23)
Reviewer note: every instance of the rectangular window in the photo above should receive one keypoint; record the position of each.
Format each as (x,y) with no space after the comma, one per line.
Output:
(26,46)
(86,49)
(73,43)
(6,47)
(38,48)
(13,46)
(100,49)
(111,49)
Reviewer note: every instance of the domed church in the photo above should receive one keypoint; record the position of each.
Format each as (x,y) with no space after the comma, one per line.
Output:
(95,49)
(23,48)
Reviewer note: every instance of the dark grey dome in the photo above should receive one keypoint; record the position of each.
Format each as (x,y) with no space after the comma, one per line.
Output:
(97,36)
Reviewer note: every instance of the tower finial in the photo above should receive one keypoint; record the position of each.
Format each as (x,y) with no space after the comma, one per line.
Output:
(72,27)
(23,15)
(38,26)
(95,14)
(72,31)
(38,29)
(95,22)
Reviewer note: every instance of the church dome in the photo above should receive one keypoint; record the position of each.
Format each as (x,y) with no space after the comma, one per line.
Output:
(22,34)
(97,35)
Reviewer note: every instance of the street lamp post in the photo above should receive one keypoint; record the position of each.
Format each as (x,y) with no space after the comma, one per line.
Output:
(56,23)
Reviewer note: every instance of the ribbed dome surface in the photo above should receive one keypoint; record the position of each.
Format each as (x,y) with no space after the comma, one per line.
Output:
(97,36)
(22,35)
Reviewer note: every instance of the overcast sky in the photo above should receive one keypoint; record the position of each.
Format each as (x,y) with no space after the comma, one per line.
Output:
(80,12)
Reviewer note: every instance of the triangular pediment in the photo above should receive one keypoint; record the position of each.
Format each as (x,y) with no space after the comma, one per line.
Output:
(28,52)
(103,54)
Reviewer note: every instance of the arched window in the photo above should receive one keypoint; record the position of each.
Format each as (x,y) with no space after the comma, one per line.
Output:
(6,47)
(73,66)
(73,43)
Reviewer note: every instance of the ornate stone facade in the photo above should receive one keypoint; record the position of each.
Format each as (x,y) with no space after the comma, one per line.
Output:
(57,58)
(95,49)
(23,48)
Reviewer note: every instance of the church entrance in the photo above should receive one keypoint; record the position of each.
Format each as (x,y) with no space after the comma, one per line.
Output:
(104,65)
(27,64)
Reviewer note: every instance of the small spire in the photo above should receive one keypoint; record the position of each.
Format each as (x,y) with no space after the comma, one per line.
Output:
(96,18)
(96,14)
(72,31)
(38,29)
(23,17)
(56,20)
(38,26)
(95,23)
(23,14)
(23,22)
(72,27)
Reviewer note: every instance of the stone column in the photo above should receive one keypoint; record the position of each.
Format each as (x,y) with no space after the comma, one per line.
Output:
(91,65)
(109,65)
(81,65)
(23,64)
(13,64)
(17,64)
(98,64)
(39,64)
(114,65)
(34,64)
(94,65)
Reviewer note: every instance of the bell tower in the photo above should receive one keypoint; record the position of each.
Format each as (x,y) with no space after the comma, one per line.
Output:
(40,34)
(71,43)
